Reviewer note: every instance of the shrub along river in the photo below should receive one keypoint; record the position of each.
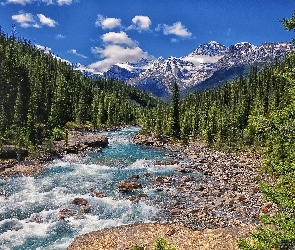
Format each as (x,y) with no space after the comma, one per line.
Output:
(39,213)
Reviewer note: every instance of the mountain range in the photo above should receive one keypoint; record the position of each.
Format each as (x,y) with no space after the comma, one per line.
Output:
(207,66)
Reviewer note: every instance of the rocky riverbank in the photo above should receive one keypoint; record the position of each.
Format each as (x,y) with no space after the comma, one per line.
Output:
(76,142)
(213,199)
(211,189)
(144,236)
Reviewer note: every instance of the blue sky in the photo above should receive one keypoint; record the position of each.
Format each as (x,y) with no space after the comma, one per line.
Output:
(99,33)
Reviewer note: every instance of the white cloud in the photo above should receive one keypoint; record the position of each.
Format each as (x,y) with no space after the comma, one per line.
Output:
(23,2)
(73,51)
(174,40)
(48,2)
(46,20)
(107,23)
(24,19)
(113,54)
(176,29)
(60,36)
(117,38)
(62,2)
(28,20)
(141,23)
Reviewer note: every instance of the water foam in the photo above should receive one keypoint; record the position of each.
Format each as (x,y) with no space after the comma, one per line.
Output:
(32,205)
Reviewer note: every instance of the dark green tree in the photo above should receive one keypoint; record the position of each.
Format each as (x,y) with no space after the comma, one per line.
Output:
(174,119)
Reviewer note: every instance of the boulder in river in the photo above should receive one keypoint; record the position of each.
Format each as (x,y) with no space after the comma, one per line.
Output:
(65,213)
(134,176)
(127,186)
(80,201)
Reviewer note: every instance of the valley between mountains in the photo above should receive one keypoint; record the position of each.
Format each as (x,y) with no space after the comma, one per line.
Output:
(203,171)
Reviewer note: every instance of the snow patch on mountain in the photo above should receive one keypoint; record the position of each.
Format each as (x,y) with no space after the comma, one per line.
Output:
(158,75)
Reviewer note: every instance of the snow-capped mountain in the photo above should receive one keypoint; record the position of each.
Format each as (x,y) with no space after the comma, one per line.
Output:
(209,65)
(212,61)
(209,49)
(87,71)
(126,71)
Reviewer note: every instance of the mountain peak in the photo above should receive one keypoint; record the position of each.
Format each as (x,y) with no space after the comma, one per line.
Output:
(210,64)
(212,48)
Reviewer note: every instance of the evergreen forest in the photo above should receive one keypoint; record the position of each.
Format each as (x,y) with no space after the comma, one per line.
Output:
(40,95)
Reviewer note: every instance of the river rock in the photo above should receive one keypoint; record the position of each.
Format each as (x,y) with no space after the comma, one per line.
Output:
(127,186)
(80,201)
(98,194)
(146,174)
(183,170)
(85,209)
(134,176)
(12,152)
(65,213)
(81,141)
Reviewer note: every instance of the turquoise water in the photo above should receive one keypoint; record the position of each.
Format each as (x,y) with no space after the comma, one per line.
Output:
(30,206)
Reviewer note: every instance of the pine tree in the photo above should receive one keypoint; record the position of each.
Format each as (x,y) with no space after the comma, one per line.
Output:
(175,121)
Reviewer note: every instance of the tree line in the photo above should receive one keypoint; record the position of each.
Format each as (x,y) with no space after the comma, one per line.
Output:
(255,112)
(40,94)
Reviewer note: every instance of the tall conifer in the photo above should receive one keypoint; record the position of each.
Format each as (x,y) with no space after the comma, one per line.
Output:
(175,123)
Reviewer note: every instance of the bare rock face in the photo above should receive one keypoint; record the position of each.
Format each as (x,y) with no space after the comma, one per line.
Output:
(128,186)
(144,236)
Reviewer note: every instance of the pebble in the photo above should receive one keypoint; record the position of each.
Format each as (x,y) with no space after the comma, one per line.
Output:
(212,189)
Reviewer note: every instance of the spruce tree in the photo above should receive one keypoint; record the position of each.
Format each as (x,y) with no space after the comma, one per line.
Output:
(175,122)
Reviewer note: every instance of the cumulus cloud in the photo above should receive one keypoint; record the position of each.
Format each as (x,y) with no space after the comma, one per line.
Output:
(107,23)
(176,29)
(113,53)
(140,23)
(24,19)
(74,52)
(27,20)
(46,20)
(117,38)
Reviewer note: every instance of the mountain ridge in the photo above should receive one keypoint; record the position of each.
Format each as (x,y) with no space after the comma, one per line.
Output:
(193,72)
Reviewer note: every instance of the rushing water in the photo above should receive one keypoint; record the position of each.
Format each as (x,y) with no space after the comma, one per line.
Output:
(30,206)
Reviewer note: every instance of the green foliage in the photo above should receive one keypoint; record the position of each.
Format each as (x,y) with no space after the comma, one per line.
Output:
(289,23)
(174,117)
(137,248)
(39,93)
(279,133)
(278,233)
(73,126)
(161,244)
(257,112)
(58,134)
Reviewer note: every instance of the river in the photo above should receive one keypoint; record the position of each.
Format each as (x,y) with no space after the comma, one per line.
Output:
(30,206)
